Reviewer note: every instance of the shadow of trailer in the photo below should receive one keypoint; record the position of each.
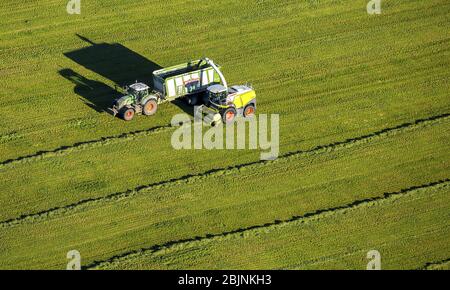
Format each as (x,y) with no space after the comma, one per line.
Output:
(115,62)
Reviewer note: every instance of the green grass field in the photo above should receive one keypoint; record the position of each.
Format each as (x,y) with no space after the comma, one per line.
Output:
(364,137)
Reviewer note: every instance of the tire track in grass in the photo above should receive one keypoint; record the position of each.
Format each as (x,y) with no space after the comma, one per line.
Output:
(74,207)
(85,145)
(243,232)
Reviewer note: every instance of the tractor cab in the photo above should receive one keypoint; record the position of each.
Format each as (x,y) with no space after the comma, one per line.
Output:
(138,90)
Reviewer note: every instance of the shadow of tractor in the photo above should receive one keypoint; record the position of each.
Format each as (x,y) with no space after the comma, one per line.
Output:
(112,61)
(94,94)
(115,62)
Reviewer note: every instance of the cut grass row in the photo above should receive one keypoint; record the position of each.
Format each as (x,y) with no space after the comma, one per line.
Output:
(405,227)
(67,208)
(327,67)
(130,136)
(234,200)
(442,265)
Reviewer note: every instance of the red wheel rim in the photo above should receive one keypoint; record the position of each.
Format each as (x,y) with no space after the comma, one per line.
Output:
(149,107)
(250,111)
(129,113)
(229,115)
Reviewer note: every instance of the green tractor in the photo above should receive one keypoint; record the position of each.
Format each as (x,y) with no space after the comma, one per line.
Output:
(137,100)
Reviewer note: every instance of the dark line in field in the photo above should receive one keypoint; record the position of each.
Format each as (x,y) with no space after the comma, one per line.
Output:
(86,144)
(431,265)
(131,135)
(303,218)
(42,215)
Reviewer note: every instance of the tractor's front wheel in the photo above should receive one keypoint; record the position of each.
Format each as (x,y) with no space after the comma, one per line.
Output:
(150,108)
(128,114)
(229,115)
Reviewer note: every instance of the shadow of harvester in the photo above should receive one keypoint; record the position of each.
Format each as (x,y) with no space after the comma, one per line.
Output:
(112,61)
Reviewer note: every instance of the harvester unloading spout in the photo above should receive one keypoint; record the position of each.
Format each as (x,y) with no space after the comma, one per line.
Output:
(214,66)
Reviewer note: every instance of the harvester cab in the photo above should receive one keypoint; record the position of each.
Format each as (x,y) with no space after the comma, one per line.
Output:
(217,94)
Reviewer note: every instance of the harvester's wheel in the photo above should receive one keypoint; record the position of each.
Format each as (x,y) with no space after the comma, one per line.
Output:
(249,111)
(150,107)
(205,99)
(229,115)
(192,100)
(128,114)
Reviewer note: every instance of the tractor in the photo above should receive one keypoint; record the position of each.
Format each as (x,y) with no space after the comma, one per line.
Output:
(137,99)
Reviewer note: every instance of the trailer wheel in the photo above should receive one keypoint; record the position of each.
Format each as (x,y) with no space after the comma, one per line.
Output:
(249,111)
(128,114)
(192,100)
(229,115)
(150,107)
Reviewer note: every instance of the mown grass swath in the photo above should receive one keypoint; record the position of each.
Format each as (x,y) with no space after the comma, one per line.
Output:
(347,234)
(189,208)
(418,124)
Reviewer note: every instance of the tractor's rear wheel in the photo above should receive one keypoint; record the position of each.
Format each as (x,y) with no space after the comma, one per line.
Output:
(128,114)
(229,115)
(150,108)
(249,111)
